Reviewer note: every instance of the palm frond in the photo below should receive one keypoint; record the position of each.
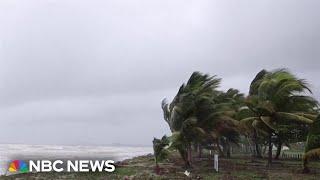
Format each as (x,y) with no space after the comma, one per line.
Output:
(314,153)
(249,121)
(293,117)
(267,121)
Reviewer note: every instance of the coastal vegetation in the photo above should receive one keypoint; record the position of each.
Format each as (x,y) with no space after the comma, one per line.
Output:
(278,112)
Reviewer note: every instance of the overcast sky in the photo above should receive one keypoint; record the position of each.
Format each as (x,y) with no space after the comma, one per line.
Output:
(95,72)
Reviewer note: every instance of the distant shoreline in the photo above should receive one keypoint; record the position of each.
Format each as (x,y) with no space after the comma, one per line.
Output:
(10,152)
(82,145)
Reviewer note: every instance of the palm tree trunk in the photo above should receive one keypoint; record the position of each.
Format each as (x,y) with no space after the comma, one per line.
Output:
(258,151)
(270,151)
(199,150)
(189,154)
(257,147)
(279,147)
(219,149)
(157,169)
(228,149)
(305,166)
(184,155)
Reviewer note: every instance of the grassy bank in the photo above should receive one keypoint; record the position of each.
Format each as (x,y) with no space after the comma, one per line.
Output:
(236,168)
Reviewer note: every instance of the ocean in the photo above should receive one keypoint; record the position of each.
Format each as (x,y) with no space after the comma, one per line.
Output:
(9,152)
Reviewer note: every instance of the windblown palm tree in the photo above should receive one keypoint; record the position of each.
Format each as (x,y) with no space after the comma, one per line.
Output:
(160,150)
(196,114)
(230,104)
(278,98)
(312,149)
(182,113)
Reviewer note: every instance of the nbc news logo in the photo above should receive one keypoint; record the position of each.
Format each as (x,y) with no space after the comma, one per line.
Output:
(20,166)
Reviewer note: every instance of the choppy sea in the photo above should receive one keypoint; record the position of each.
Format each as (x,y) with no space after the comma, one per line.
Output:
(9,152)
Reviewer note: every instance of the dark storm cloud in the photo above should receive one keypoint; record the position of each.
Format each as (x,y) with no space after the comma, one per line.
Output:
(75,72)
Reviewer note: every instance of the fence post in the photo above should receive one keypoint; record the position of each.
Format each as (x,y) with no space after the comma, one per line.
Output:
(216,162)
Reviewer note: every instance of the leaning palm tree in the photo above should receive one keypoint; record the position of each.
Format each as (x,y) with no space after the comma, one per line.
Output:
(160,149)
(248,113)
(277,98)
(183,113)
(312,149)
(197,114)
(289,133)
(227,106)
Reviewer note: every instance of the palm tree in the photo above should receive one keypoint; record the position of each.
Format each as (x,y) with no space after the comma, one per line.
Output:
(230,103)
(160,150)
(278,98)
(184,113)
(254,91)
(290,133)
(312,149)
(200,114)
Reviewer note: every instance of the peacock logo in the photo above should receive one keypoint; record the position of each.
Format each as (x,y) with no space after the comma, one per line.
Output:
(18,166)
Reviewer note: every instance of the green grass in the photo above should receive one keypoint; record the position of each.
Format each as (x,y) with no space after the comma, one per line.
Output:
(126,171)
(246,175)
(213,176)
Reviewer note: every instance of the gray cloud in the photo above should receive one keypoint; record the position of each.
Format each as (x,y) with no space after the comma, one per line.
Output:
(80,72)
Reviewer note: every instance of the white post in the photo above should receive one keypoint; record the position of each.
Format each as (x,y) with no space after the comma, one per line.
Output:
(216,162)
